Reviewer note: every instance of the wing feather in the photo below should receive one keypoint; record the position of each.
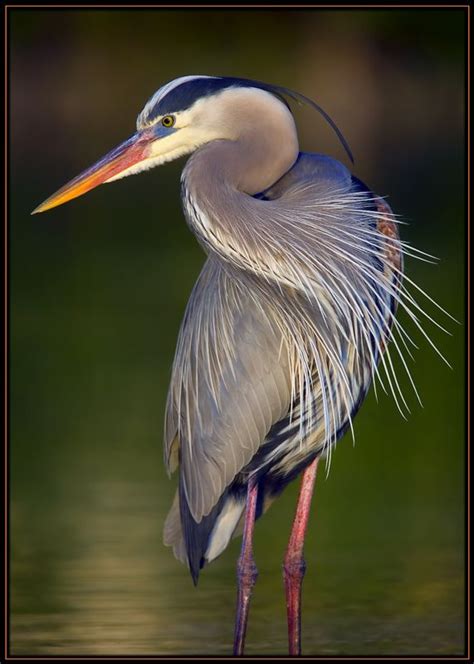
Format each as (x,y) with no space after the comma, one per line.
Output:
(230,384)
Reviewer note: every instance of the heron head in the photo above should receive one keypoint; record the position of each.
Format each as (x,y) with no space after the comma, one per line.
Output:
(180,117)
(190,111)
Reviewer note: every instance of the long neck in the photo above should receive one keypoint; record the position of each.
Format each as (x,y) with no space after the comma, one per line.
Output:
(221,177)
(249,165)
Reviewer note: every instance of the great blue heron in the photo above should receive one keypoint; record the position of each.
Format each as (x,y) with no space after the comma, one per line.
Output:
(287,324)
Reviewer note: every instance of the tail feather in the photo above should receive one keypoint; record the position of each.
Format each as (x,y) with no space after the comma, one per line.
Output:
(196,535)
(189,543)
(195,544)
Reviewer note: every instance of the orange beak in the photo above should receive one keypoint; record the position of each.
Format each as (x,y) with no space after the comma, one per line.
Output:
(123,157)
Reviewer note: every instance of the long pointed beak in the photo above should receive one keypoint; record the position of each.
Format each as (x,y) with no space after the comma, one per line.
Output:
(116,162)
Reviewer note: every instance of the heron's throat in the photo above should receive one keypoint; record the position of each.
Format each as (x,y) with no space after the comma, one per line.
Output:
(220,180)
(250,164)
(256,163)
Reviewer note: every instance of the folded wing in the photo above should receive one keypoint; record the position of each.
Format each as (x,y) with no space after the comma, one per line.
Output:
(230,384)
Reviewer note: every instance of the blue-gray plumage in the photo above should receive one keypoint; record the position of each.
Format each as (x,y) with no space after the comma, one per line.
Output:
(288,323)
(217,451)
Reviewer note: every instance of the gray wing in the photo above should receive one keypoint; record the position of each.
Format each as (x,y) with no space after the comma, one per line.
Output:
(230,383)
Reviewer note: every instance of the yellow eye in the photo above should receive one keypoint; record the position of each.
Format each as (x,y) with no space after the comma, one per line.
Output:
(168,121)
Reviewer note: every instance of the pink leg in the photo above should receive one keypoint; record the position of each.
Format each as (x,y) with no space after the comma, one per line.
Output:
(246,570)
(294,566)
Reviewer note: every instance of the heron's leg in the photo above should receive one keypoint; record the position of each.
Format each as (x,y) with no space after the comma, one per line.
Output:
(294,566)
(246,570)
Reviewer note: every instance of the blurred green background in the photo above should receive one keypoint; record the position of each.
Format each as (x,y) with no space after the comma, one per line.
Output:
(97,292)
